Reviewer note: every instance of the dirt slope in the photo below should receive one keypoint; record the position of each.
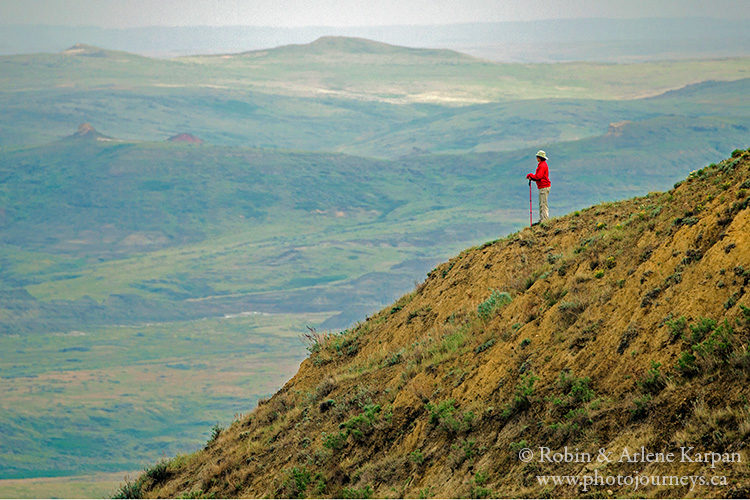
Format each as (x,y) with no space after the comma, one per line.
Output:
(594,331)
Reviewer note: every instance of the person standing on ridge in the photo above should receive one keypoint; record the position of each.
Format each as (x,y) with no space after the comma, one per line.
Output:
(541,177)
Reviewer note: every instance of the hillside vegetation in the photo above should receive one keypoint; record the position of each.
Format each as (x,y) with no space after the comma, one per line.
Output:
(625,324)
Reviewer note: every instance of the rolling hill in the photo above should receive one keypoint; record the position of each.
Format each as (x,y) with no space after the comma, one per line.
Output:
(338,94)
(624,325)
(153,227)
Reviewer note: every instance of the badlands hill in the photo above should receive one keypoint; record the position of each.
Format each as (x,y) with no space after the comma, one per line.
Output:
(624,325)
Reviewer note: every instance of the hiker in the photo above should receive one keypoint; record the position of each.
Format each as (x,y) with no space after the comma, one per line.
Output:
(541,177)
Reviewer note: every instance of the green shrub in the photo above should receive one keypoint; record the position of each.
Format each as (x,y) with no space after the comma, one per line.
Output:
(158,473)
(334,441)
(553,297)
(570,310)
(494,302)
(441,410)
(417,457)
(466,450)
(745,315)
(676,327)
(479,490)
(445,416)
(344,344)
(522,396)
(195,494)
(575,392)
(718,346)
(131,489)
(520,445)
(395,358)
(364,492)
(216,431)
(732,300)
(686,364)
(686,221)
(654,381)
(295,483)
(484,346)
(362,424)
(650,296)
(699,330)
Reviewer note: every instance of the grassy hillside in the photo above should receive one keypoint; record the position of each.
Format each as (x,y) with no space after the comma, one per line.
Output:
(622,325)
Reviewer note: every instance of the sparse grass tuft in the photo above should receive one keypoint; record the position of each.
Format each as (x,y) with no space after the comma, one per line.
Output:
(478,489)
(484,346)
(447,418)
(522,397)
(363,492)
(492,304)
(131,489)
(641,407)
(216,431)
(417,456)
(158,472)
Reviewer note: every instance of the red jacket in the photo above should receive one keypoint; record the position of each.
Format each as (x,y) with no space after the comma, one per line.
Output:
(541,177)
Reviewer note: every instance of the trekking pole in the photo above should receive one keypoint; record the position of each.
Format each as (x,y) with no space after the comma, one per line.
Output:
(531,220)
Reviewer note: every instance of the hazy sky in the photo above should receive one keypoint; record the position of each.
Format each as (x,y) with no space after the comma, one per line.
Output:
(129,13)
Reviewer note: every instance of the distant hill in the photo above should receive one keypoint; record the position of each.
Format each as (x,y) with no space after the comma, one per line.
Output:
(372,104)
(87,132)
(81,49)
(373,71)
(189,138)
(552,40)
(621,326)
(346,47)
(85,50)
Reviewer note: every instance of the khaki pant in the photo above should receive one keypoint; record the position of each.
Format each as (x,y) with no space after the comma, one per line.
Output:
(543,207)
